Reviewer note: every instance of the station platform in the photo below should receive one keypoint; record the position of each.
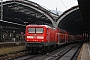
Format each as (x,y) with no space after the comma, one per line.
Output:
(11,44)
(85,52)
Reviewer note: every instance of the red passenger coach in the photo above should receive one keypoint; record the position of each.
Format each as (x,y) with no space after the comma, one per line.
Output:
(41,36)
(79,37)
(62,36)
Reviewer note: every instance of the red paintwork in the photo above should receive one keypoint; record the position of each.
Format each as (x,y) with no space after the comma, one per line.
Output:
(50,35)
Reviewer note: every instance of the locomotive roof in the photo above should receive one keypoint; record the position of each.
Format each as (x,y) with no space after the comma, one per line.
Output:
(41,25)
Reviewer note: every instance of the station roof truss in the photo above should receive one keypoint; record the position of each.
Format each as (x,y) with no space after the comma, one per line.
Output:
(17,12)
(71,20)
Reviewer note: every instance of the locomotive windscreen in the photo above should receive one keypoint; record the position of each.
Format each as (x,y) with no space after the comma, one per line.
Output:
(39,30)
(35,30)
(31,30)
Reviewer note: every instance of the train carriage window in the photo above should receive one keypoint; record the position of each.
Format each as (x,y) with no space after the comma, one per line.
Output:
(39,30)
(31,30)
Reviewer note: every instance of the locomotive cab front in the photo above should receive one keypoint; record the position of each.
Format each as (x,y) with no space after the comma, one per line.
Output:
(35,36)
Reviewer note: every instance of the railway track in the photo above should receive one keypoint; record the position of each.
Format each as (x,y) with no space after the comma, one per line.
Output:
(11,56)
(28,57)
(68,52)
(10,50)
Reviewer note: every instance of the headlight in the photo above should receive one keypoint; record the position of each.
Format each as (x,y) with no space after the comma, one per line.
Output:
(40,37)
(27,40)
(29,36)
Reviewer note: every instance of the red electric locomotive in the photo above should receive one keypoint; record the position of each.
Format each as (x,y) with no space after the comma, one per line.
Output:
(40,36)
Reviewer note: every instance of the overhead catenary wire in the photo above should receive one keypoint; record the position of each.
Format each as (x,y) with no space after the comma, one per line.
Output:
(57,8)
(63,4)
